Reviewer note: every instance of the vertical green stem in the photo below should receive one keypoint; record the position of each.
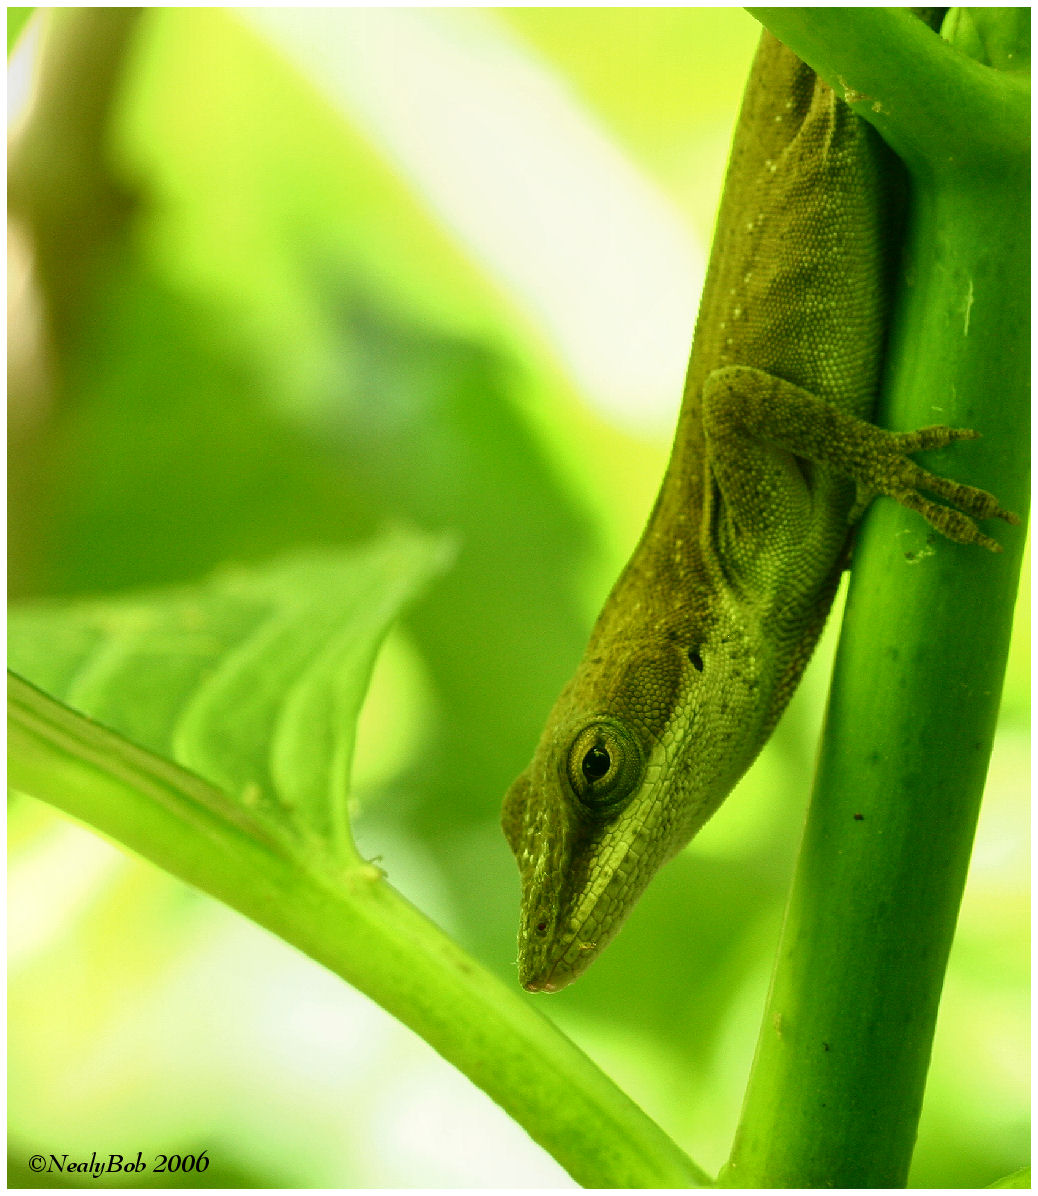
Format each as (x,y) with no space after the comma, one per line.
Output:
(837,1084)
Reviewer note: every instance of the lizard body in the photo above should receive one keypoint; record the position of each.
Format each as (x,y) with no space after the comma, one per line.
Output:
(705,634)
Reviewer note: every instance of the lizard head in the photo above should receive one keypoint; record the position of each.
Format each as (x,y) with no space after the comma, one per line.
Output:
(631,763)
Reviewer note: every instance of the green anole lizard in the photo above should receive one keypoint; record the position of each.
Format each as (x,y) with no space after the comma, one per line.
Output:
(705,635)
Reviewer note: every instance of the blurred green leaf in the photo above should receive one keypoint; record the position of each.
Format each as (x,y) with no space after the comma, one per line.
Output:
(252,681)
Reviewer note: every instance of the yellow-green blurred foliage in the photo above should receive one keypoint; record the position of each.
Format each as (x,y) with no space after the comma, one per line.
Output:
(288,276)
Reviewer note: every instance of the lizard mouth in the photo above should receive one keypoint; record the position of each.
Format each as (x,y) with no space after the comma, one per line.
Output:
(544,977)
(550,984)
(555,972)
(541,986)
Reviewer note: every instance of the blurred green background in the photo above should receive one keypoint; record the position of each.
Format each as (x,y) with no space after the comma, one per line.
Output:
(289,276)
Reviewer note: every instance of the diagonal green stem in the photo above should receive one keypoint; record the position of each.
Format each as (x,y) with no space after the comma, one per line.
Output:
(358,926)
(837,1084)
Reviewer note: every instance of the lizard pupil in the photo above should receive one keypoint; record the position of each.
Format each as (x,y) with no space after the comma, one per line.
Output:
(595,764)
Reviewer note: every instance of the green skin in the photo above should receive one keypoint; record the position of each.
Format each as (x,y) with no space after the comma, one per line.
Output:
(709,627)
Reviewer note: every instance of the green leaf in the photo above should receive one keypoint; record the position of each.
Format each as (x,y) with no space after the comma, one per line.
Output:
(251,681)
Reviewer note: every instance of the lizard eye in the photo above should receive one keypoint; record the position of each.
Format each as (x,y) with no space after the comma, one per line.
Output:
(604,765)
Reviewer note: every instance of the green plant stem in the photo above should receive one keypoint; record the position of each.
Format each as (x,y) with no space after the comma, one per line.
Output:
(358,926)
(837,1084)
(931,103)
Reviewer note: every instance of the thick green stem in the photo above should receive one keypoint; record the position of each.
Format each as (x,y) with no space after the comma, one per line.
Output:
(358,926)
(837,1084)
(932,103)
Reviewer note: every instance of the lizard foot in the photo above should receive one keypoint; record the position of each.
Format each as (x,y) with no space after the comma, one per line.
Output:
(966,503)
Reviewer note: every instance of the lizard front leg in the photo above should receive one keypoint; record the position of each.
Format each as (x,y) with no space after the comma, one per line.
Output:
(763,435)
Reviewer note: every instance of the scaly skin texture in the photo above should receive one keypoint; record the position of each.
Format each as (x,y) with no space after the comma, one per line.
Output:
(708,629)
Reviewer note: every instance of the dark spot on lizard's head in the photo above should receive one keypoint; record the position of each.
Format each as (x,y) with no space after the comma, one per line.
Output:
(696,658)
(541,927)
(859,817)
